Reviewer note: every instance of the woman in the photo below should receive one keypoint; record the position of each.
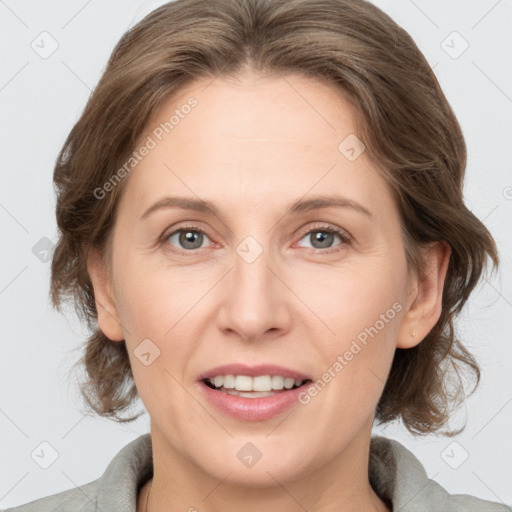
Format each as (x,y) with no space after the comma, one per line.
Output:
(261,209)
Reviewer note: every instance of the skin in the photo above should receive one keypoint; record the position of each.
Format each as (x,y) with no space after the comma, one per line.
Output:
(253,147)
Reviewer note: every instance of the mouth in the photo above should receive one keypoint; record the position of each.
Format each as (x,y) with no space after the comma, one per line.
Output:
(254,387)
(253,393)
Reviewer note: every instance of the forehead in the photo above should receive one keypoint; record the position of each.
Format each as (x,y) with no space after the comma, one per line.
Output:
(245,139)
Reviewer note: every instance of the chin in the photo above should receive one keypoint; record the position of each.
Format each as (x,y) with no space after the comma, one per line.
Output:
(255,462)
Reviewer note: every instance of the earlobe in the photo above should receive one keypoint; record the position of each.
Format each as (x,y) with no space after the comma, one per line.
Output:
(425,296)
(108,318)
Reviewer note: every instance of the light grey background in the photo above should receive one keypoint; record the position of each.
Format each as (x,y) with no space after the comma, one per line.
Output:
(41,98)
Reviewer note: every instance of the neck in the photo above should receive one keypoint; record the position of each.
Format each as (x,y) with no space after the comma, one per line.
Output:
(339,484)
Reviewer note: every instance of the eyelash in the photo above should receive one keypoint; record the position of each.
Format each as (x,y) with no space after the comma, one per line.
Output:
(344,237)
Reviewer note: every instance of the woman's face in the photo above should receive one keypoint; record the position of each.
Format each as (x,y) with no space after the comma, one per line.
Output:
(318,291)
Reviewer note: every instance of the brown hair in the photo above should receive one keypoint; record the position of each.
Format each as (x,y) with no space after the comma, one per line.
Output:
(404,119)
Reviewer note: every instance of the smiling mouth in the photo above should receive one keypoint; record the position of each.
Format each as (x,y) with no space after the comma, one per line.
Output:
(231,390)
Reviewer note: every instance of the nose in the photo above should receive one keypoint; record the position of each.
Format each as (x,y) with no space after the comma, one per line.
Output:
(255,299)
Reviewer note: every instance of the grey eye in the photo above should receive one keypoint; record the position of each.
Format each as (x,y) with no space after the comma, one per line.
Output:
(321,238)
(188,239)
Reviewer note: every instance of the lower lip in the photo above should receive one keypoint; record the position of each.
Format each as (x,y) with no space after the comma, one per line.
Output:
(252,409)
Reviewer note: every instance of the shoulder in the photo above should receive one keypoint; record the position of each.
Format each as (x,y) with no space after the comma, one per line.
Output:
(80,499)
(397,475)
(467,503)
(117,487)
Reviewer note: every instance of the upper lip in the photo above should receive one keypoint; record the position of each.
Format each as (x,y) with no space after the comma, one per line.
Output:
(253,371)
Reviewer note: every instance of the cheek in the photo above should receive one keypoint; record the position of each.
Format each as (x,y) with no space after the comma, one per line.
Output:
(153,297)
(155,305)
(353,298)
(361,310)
(163,305)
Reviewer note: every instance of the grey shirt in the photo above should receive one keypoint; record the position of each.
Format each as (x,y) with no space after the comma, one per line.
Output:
(396,475)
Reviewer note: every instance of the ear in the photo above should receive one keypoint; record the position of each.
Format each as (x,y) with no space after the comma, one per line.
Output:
(425,296)
(108,318)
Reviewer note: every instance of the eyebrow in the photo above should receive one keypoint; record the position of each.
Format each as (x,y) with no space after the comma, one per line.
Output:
(302,205)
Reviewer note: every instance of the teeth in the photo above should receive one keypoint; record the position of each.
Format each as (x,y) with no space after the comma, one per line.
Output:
(250,394)
(289,382)
(261,383)
(277,382)
(244,383)
(229,381)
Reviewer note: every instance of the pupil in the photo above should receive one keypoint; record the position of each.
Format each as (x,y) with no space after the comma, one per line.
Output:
(322,237)
(187,238)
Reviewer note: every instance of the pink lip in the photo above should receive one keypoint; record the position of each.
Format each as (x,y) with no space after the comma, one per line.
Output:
(252,409)
(253,371)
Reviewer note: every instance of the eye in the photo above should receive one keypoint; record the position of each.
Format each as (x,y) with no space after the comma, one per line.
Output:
(187,238)
(321,237)
(191,238)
